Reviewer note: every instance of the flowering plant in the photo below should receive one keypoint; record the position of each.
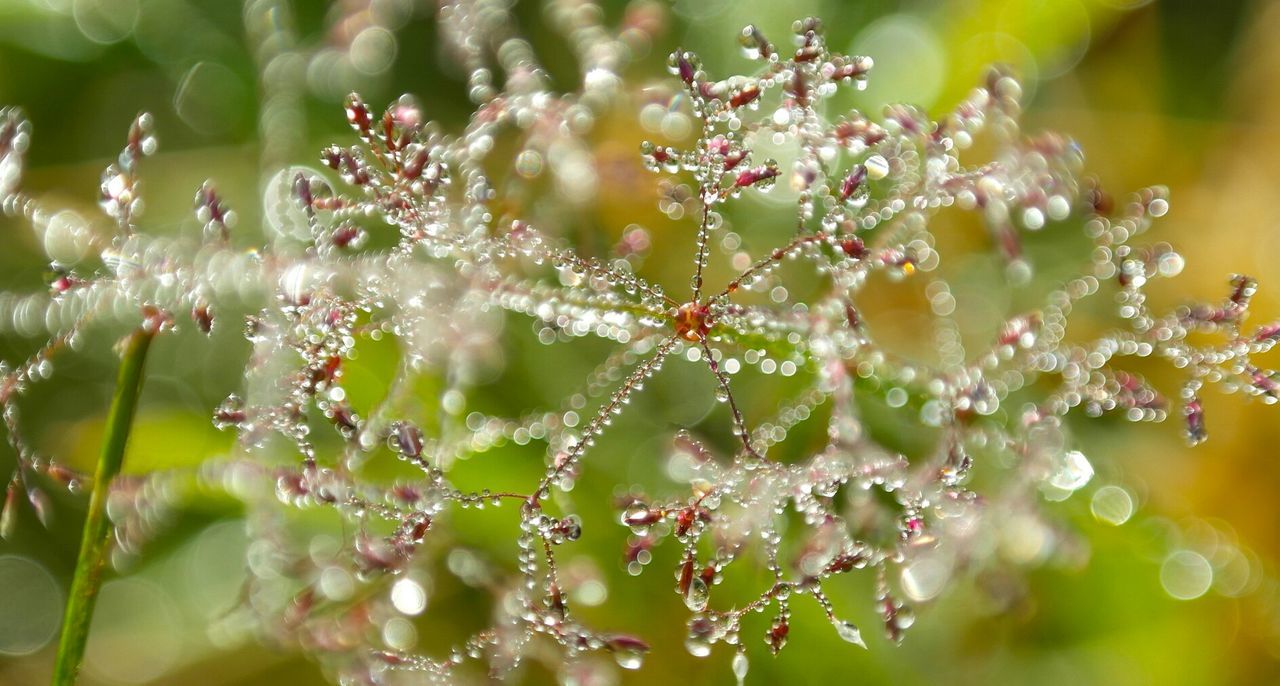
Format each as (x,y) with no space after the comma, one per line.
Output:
(428,238)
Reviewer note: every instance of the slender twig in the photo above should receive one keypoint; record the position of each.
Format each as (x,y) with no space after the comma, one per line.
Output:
(739,424)
(94,542)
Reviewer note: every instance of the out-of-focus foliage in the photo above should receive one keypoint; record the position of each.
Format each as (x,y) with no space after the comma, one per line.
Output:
(1156,93)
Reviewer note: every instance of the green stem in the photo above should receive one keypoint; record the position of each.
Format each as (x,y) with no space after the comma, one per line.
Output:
(94,544)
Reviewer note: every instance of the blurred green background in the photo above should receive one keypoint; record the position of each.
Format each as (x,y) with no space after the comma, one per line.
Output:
(1177,93)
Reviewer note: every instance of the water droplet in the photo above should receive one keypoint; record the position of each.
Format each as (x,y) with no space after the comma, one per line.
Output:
(15,137)
(230,413)
(639,516)
(1058,208)
(1072,471)
(877,167)
(628,651)
(849,632)
(698,595)
(740,666)
(776,636)
(753,43)
(903,618)
(629,659)
(408,596)
(697,646)
(1033,218)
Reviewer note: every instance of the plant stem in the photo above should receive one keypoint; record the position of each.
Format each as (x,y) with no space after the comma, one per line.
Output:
(97,529)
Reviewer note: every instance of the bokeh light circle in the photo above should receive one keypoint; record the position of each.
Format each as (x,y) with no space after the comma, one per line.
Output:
(1186,575)
(30,605)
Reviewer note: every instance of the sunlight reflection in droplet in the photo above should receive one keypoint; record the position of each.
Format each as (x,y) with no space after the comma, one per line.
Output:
(408,596)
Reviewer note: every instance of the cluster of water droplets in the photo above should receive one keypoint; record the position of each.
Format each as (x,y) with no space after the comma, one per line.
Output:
(864,191)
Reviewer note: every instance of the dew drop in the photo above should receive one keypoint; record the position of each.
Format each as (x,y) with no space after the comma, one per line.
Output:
(877,167)
(628,658)
(1033,218)
(1058,208)
(740,666)
(408,596)
(850,633)
(1072,471)
(697,647)
(698,595)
